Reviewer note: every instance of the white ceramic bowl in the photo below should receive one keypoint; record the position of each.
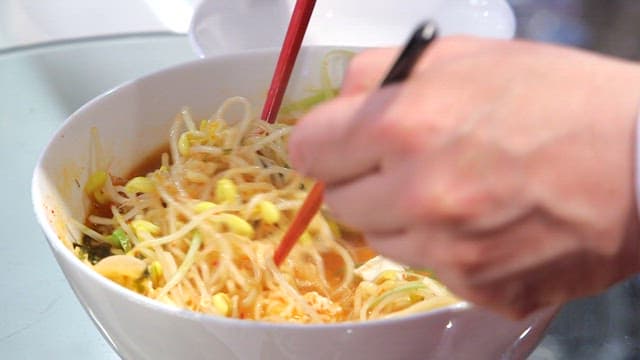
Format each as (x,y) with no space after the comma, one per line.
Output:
(230,26)
(133,120)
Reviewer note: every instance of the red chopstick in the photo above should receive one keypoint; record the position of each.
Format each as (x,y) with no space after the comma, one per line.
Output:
(288,54)
(422,37)
(281,75)
(309,208)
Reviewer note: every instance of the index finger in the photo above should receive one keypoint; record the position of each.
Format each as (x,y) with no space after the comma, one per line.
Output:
(333,142)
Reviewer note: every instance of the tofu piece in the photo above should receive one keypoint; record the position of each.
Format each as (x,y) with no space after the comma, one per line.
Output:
(370,270)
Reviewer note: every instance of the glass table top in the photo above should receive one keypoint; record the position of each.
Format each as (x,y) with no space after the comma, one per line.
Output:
(40,318)
(40,87)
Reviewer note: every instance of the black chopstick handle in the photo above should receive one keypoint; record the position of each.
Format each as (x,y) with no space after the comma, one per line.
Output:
(422,37)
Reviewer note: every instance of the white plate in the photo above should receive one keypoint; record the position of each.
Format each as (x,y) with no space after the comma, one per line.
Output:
(25,23)
(228,26)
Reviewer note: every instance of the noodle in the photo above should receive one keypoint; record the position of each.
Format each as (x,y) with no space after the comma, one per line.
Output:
(199,232)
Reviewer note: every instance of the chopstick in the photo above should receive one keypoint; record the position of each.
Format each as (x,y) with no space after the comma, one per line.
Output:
(421,38)
(287,59)
(309,208)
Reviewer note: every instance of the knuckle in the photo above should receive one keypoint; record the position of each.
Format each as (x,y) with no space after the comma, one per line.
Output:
(400,136)
(468,258)
(358,74)
(414,205)
(440,200)
(471,254)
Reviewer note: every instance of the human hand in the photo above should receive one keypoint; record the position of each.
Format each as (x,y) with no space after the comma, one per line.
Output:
(506,167)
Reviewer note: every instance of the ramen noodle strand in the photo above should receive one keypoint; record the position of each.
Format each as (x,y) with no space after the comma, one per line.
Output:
(200,226)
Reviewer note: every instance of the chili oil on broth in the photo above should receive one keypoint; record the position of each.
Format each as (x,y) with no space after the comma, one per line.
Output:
(352,241)
(317,283)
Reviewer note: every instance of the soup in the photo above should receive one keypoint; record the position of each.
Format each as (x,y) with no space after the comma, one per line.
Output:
(196,225)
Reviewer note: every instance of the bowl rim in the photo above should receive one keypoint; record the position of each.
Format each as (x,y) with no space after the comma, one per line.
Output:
(58,248)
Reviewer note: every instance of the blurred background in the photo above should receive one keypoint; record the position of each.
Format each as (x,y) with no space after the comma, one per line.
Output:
(602,327)
(609,26)
(607,326)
